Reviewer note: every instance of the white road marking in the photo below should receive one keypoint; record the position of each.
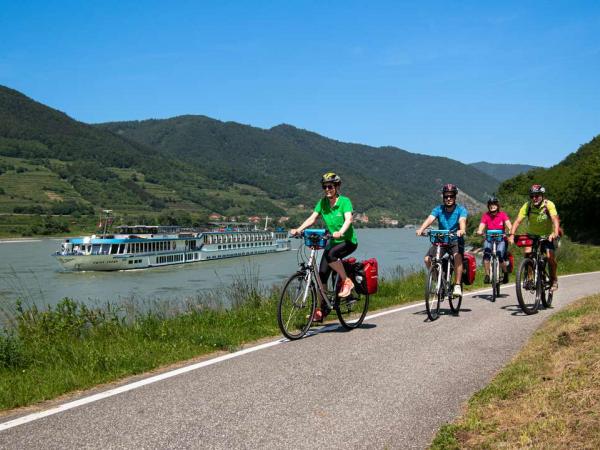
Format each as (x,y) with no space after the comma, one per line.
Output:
(163,376)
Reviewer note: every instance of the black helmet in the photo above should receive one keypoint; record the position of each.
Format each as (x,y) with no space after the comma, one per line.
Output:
(537,189)
(450,188)
(331,177)
(493,200)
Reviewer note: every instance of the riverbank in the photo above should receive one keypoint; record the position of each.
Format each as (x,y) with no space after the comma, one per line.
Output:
(547,397)
(46,353)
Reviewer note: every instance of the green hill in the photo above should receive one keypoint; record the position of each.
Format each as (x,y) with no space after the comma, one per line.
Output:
(286,162)
(573,184)
(502,172)
(180,170)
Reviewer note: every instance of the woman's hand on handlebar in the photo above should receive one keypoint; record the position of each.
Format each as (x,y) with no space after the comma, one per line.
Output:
(460,233)
(420,232)
(336,235)
(295,232)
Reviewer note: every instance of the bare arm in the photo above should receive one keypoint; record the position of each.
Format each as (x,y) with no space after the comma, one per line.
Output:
(425,224)
(307,223)
(345,226)
(556,224)
(514,229)
(480,229)
(462,226)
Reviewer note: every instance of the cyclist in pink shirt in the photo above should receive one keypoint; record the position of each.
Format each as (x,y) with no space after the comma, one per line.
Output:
(494,219)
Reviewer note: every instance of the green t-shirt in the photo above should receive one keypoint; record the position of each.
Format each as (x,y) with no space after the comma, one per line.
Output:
(539,220)
(334,217)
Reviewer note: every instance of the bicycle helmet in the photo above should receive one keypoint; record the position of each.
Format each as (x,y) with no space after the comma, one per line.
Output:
(493,200)
(450,188)
(331,177)
(537,189)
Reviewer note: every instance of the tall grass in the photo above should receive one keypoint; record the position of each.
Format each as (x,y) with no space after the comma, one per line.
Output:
(45,352)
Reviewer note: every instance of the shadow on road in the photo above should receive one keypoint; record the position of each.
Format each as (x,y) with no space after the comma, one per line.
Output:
(489,297)
(337,328)
(443,312)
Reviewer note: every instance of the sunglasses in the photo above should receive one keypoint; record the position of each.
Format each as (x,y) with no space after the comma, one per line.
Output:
(328,186)
(536,195)
(446,197)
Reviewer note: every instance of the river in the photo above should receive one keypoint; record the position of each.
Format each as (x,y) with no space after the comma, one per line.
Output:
(28,271)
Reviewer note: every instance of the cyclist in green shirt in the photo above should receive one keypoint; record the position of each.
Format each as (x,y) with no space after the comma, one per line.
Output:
(542,220)
(336,211)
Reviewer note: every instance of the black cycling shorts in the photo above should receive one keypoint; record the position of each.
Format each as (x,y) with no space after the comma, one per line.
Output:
(332,254)
(455,247)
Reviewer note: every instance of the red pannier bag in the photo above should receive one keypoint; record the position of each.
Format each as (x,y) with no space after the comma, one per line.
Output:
(364,274)
(511,262)
(469,268)
(370,269)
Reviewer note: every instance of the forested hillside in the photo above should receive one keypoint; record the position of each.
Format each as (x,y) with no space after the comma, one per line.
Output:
(286,162)
(573,184)
(180,170)
(502,172)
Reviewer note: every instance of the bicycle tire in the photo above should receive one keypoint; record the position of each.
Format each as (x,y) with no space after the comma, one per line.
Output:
(547,294)
(525,287)
(494,270)
(295,316)
(454,302)
(433,293)
(352,310)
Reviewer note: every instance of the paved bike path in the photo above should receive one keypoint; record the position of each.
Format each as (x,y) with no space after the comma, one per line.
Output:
(390,384)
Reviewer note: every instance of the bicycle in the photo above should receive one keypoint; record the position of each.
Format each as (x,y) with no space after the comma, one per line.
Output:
(494,237)
(298,301)
(439,284)
(533,280)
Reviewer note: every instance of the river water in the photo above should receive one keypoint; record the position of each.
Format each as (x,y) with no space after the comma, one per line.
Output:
(28,271)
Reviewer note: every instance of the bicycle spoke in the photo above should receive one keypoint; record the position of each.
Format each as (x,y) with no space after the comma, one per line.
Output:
(527,294)
(433,293)
(294,313)
(351,311)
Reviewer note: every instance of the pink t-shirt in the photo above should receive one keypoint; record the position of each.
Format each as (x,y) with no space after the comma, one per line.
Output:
(496,222)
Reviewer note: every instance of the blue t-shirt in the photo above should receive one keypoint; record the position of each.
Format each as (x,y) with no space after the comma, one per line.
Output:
(446,220)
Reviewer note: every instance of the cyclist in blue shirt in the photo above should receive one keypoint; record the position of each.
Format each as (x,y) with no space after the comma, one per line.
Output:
(452,217)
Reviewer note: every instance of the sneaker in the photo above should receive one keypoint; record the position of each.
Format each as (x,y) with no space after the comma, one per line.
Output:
(346,288)
(505,278)
(457,292)
(486,279)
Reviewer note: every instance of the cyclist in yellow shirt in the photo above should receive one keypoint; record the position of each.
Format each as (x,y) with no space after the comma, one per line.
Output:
(542,220)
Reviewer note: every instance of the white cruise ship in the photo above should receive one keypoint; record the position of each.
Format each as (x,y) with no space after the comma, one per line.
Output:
(140,246)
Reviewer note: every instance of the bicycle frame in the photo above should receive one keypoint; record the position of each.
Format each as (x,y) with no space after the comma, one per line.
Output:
(538,262)
(312,271)
(438,261)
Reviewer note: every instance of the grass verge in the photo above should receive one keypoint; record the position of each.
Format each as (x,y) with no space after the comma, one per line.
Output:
(547,397)
(47,352)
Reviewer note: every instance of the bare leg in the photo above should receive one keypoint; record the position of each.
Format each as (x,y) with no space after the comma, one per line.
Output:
(428,262)
(458,268)
(486,266)
(552,263)
(338,266)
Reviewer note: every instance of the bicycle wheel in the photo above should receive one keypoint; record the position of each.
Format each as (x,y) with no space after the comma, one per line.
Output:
(296,306)
(527,294)
(547,294)
(433,293)
(351,310)
(454,302)
(494,270)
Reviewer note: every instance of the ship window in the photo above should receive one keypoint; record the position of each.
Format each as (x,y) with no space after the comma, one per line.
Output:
(114,249)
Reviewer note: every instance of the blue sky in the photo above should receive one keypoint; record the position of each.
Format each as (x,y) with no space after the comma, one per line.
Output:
(511,81)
